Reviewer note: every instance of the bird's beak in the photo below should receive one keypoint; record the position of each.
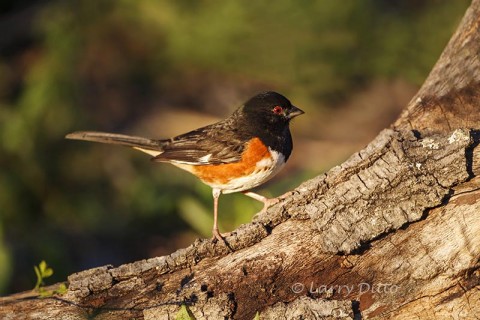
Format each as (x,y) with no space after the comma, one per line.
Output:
(295,112)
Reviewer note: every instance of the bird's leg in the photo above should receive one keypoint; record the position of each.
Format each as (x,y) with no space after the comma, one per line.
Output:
(267,202)
(216,233)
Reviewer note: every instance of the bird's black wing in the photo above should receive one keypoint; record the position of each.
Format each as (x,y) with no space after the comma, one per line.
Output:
(221,142)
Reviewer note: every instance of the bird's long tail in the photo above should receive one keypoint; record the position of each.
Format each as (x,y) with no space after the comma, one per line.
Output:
(150,146)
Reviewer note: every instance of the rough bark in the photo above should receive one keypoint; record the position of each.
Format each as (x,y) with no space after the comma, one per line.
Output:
(394,232)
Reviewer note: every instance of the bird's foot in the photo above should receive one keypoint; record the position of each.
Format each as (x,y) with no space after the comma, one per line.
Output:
(217,236)
(268,202)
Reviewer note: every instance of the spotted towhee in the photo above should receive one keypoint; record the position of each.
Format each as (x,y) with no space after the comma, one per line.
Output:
(232,155)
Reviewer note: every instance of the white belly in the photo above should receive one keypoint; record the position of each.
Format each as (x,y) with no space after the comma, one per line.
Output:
(266,169)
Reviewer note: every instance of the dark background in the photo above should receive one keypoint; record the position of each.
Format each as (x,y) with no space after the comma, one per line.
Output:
(160,68)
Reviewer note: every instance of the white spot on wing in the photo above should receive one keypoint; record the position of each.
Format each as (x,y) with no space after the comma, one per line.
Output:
(153,153)
(205,159)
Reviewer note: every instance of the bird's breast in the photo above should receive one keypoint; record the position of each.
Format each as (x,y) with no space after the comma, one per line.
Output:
(258,164)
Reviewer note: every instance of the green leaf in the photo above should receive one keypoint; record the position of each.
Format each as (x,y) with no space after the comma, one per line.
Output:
(39,278)
(42,271)
(257,316)
(184,314)
(47,272)
(43,293)
(37,273)
(42,266)
(62,289)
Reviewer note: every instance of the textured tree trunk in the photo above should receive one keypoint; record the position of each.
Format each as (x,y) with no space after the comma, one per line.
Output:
(394,232)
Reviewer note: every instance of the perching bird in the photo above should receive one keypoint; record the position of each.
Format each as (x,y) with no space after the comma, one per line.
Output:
(233,155)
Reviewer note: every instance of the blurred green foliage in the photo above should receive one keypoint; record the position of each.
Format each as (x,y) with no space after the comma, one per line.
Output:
(105,64)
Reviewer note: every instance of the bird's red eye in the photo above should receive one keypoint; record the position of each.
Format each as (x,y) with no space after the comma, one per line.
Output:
(278,110)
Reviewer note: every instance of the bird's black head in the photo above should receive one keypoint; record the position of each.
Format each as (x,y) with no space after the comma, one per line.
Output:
(267,116)
(270,108)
